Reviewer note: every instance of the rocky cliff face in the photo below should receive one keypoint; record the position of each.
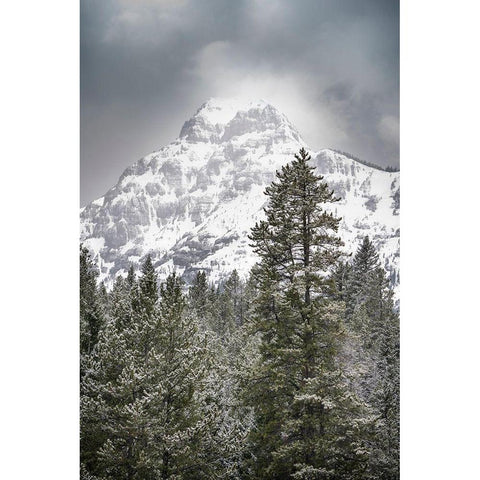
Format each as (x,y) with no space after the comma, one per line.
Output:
(192,203)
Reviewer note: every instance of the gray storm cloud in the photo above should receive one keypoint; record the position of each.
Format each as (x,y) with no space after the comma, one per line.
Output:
(146,66)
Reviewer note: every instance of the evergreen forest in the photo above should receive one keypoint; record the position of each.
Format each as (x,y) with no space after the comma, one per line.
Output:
(291,373)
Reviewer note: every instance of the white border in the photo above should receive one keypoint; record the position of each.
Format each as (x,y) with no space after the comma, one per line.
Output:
(439,267)
(39,246)
(39,197)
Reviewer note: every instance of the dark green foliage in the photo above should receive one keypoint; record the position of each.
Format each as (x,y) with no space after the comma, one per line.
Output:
(91,317)
(383,346)
(155,402)
(131,277)
(293,373)
(139,394)
(341,277)
(357,288)
(304,412)
(198,295)
(235,292)
(372,318)
(219,309)
(147,287)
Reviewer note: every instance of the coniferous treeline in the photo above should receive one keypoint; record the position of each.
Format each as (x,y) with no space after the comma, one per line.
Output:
(291,373)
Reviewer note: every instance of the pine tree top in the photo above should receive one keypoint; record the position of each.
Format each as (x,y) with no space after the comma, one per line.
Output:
(366,259)
(297,225)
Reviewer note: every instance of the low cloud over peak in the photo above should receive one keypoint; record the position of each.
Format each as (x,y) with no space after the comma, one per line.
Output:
(146,66)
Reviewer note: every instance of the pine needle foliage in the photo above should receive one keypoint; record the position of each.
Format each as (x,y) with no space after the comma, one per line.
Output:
(308,424)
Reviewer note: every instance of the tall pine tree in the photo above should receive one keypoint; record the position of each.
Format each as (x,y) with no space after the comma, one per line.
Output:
(308,422)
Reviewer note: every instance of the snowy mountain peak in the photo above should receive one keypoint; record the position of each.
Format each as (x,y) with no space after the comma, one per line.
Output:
(219,120)
(191,204)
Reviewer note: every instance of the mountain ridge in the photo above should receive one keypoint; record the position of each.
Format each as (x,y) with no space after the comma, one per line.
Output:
(191,203)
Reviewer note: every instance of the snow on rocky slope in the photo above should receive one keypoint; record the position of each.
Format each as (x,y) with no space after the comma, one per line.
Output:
(192,203)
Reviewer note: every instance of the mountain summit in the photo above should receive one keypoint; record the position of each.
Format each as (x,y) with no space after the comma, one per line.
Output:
(192,203)
(219,120)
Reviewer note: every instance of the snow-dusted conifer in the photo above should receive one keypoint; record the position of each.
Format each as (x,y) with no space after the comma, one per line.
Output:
(91,317)
(235,289)
(308,423)
(373,357)
(198,295)
(145,410)
(364,262)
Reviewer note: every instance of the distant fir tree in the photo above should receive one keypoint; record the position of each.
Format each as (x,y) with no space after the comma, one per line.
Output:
(103,299)
(198,296)
(214,307)
(209,305)
(91,308)
(148,287)
(308,424)
(237,296)
(355,284)
(123,300)
(224,314)
(341,277)
(383,348)
(375,355)
(93,314)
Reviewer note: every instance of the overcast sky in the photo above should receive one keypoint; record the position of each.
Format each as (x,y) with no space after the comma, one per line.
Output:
(331,66)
